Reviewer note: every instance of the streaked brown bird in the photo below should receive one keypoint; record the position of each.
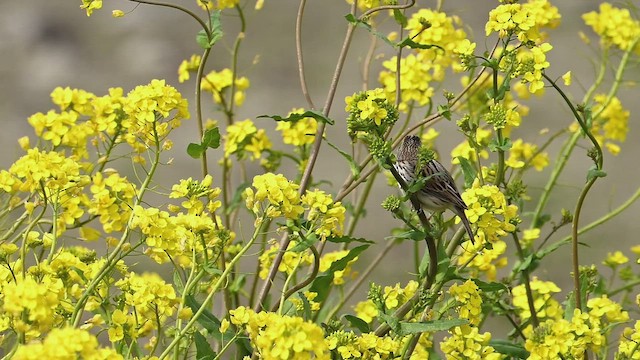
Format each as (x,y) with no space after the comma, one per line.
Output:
(439,191)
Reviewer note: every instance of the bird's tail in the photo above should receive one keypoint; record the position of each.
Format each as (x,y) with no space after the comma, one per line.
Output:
(466,223)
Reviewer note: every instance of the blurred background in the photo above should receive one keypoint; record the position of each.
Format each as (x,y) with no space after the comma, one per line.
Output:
(53,43)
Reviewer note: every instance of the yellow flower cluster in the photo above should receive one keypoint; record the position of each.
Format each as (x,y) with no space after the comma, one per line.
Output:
(298,133)
(470,302)
(615,26)
(629,340)
(523,20)
(111,119)
(611,123)
(421,67)
(30,305)
(90,5)
(326,216)
(290,260)
(112,200)
(394,296)
(571,338)
(523,155)
(329,258)
(465,150)
(217,4)
(58,179)
(494,217)
(243,137)
(187,66)
(150,301)
(217,82)
(145,106)
(194,192)
(370,112)
(66,343)
(175,236)
(274,196)
(466,342)
(546,306)
(366,346)
(615,259)
(281,337)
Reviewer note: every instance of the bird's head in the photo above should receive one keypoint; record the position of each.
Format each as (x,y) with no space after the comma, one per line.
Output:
(409,148)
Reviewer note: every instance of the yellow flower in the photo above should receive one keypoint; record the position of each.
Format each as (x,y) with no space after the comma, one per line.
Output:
(187,66)
(91,5)
(280,193)
(547,307)
(326,216)
(281,337)
(466,342)
(298,133)
(468,296)
(614,259)
(615,26)
(218,82)
(567,78)
(529,235)
(524,154)
(117,13)
(66,343)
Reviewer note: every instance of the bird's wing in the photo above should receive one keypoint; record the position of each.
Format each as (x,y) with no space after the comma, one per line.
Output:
(441,184)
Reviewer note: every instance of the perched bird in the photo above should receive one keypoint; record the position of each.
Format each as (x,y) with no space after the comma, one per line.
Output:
(439,191)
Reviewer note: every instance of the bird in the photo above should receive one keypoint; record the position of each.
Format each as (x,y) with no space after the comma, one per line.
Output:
(439,191)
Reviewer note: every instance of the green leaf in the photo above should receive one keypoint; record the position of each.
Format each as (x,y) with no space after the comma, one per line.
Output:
(445,111)
(411,235)
(203,349)
(594,172)
(305,306)
(238,283)
(236,200)
(417,185)
(322,283)
(295,117)
(358,323)
(321,286)
(490,286)
(509,348)
(216,31)
(211,138)
(424,264)
(341,264)
(177,281)
(392,321)
(468,170)
(304,243)
(529,263)
(355,169)
(408,328)
(348,239)
(352,19)
(414,45)
(202,39)
(494,145)
(216,27)
(398,15)
(195,150)
(208,321)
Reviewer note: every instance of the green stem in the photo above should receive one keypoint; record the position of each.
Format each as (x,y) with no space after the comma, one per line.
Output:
(199,75)
(111,259)
(214,289)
